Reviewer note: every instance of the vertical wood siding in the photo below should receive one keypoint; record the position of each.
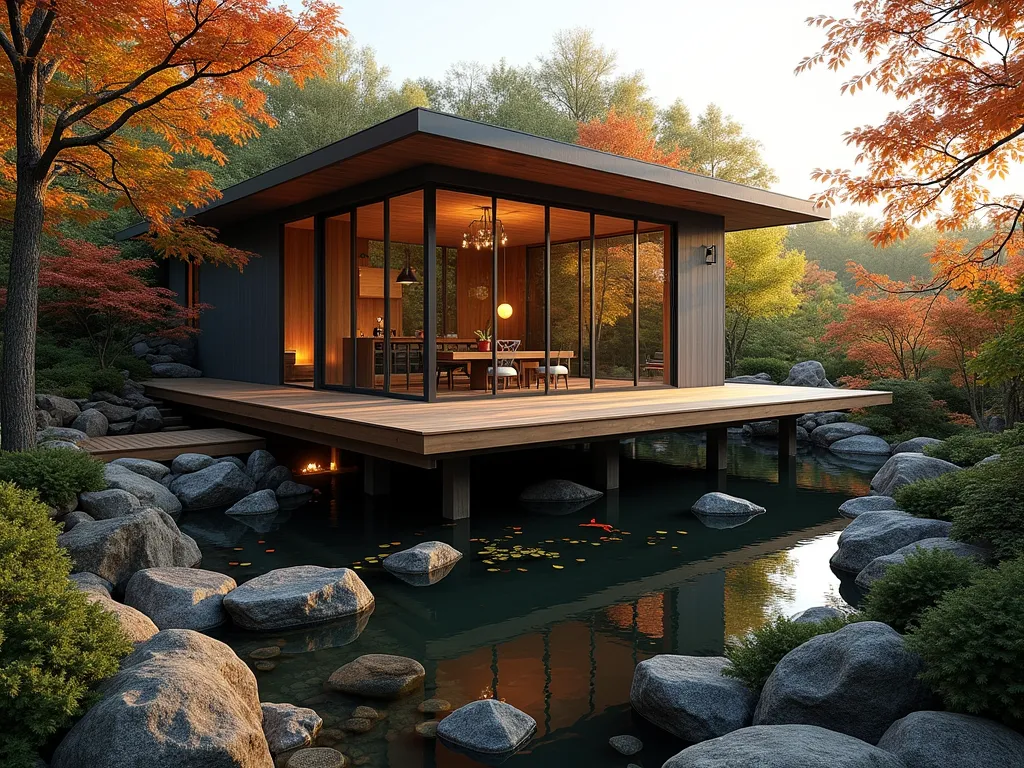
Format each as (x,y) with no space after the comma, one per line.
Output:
(700,294)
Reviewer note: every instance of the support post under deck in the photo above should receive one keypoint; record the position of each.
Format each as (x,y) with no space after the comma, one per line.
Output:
(376,476)
(787,439)
(716,454)
(606,464)
(455,493)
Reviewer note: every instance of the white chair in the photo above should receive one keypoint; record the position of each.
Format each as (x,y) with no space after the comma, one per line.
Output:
(554,371)
(506,365)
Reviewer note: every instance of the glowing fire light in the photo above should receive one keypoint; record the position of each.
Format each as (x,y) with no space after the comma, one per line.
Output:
(312,468)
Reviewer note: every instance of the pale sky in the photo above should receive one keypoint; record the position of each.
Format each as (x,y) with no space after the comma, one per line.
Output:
(739,54)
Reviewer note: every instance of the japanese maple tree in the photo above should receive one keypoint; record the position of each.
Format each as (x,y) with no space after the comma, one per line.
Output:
(628,136)
(957,67)
(103,97)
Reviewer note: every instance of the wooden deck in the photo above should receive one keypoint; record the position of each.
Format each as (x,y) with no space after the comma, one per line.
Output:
(420,433)
(163,446)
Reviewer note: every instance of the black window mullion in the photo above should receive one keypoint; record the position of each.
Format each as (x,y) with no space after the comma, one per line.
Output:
(547,298)
(429,294)
(494,295)
(636,303)
(387,295)
(579,306)
(593,329)
(353,297)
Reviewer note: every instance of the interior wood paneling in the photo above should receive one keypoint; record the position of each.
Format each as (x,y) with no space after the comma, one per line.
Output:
(298,293)
(338,283)
(473,272)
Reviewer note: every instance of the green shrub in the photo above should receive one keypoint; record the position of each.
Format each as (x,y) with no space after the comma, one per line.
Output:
(911,587)
(991,505)
(934,498)
(777,369)
(953,396)
(972,643)
(58,475)
(54,645)
(913,412)
(753,657)
(70,370)
(965,449)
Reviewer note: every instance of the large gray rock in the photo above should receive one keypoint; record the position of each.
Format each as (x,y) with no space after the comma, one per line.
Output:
(425,557)
(296,597)
(784,746)
(817,613)
(946,739)
(115,413)
(219,485)
(871,520)
(259,463)
(762,429)
(829,417)
(827,434)
(137,626)
(149,492)
(175,371)
(181,700)
(486,727)
(558,492)
(876,569)
(915,445)
(288,727)
(63,410)
(92,422)
(871,445)
(716,504)
(291,490)
(689,697)
(191,462)
(108,504)
(905,468)
(859,546)
(274,477)
(858,680)
(154,470)
(115,549)
(59,445)
(74,518)
(809,373)
(757,378)
(148,419)
(180,598)
(378,676)
(90,582)
(258,503)
(856,507)
(61,434)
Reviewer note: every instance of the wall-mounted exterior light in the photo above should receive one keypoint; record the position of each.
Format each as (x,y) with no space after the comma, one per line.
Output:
(710,254)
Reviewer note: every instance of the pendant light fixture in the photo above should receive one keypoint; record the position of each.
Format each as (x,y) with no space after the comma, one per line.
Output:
(408,275)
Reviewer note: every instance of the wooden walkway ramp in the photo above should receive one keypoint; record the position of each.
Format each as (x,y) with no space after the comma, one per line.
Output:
(163,446)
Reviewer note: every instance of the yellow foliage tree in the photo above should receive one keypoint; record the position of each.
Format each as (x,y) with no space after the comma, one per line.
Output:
(762,280)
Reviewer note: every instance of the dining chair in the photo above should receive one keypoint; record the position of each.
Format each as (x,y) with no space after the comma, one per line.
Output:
(506,349)
(560,367)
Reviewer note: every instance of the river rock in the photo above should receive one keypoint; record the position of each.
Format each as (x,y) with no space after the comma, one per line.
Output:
(378,676)
(90,582)
(115,413)
(625,744)
(115,549)
(885,534)
(62,434)
(425,557)
(784,746)
(71,519)
(915,445)
(558,492)
(62,409)
(945,739)
(148,419)
(905,468)
(827,434)
(259,463)
(871,445)
(296,597)
(92,422)
(291,490)
(289,727)
(58,445)
(809,373)
(858,680)
(136,625)
(108,504)
(154,470)
(181,700)
(218,485)
(756,378)
(689,697)
(258,503)
(761,429)
(180,598)
(876,569)
(317,757)
(175,371)
(149,492)
(856,507)
(274,477)
(487,727)
(716,504)
(816,614)
(191,462)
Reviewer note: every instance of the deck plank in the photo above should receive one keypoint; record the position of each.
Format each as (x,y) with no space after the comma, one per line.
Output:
(162,446)
(481,424)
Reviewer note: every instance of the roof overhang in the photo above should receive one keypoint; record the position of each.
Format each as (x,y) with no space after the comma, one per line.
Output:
(422,137)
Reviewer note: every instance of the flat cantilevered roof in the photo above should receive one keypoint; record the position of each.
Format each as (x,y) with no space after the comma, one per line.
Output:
(422,137)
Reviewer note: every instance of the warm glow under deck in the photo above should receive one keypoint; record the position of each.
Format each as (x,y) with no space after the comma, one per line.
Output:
(420,433)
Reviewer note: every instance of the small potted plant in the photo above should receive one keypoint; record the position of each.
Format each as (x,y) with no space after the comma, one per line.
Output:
(483,343)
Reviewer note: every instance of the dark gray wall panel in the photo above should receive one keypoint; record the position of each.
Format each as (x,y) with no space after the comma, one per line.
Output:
(177,279)
(700,293)
(240,335)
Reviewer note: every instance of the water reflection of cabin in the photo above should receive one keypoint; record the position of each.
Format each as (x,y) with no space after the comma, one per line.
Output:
(384,254)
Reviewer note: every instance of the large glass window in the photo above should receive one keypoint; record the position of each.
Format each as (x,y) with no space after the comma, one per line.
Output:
(653,271)
(338,349)
(405,345)
(372,314)
(613,300)
(298,302)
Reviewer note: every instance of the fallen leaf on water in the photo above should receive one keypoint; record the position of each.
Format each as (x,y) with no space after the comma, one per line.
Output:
(270,551)
(581,560)
(558,567)
(682,532)
(661,532)
(245,565)
(239,549)
(521,570)
(492,570)
(233,563)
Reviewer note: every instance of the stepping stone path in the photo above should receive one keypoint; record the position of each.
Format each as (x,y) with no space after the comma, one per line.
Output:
(379,676)
(269,652)
(427,729)
(434,706)
(180,598)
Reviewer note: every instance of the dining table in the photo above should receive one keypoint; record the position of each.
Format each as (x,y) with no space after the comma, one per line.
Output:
(479,362)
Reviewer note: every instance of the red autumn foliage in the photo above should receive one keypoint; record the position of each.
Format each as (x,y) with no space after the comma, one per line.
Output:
(628,137)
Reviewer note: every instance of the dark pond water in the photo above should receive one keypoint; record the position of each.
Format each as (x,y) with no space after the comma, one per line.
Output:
(557,636)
